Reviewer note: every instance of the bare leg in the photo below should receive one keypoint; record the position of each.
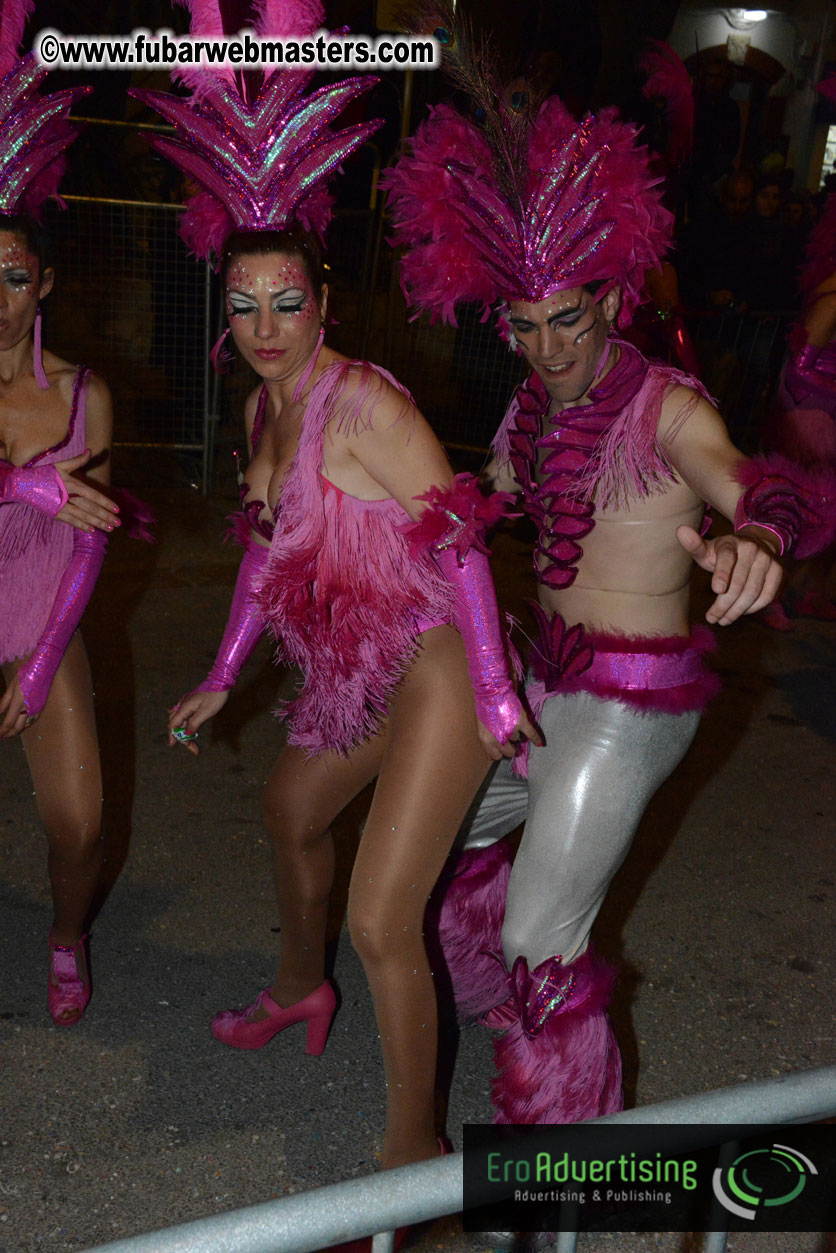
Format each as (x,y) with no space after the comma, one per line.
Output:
(432,765)
(63,756)
(302,798)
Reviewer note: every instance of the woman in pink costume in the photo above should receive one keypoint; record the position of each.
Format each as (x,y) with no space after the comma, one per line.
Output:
(54,418)
(803,423)
(362,551)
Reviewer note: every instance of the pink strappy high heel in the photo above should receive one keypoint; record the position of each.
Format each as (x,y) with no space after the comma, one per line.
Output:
(317,1009)
(67,993)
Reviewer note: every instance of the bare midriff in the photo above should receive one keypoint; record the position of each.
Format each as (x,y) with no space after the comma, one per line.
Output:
(633,577)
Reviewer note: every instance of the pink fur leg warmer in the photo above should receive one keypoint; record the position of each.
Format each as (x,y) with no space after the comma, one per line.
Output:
(463,924)
(559,1062)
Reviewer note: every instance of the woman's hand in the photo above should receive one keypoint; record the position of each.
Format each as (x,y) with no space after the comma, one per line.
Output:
(525,729)
(13,714)
(86,508)
(191,712)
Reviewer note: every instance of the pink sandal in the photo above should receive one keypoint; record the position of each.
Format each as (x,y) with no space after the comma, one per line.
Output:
(67,993)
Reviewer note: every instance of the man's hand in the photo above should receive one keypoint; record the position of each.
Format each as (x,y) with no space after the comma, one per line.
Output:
(746,573)
(87,508)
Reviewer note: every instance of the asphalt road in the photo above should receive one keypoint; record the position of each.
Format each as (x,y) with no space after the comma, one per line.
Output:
(723,918)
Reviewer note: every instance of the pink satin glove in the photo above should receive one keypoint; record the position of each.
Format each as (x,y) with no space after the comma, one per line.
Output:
(453,529)
(41,487)
(74,591)
(804,374)
(476,618)
(244,626)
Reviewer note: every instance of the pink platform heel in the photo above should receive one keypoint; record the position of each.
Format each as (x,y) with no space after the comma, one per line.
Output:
(317,1009)
(67,992)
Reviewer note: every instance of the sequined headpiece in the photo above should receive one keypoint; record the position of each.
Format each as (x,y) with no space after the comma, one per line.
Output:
(260,148)
(521,202)
(34,128)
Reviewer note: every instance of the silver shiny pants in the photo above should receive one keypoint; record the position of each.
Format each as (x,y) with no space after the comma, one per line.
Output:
(585,796)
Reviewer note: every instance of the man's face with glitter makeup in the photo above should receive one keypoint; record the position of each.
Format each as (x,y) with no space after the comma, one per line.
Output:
(21,288)
(563,338)
(274,313)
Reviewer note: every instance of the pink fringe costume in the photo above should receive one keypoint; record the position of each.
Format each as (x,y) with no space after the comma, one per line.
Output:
(47,571)
(348,585)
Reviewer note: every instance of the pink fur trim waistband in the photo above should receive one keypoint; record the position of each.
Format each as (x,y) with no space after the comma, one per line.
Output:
(653,674)
(667,674)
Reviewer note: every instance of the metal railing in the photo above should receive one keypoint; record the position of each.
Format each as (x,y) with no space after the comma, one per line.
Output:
(428,1190)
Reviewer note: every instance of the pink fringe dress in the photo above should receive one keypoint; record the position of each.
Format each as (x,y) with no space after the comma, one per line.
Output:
(343,595)
(35,549)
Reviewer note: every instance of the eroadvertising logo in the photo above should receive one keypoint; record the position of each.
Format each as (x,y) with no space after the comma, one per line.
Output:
(762,1177)
(652,1177)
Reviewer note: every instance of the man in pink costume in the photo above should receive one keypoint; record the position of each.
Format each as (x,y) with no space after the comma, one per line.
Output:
(615,458)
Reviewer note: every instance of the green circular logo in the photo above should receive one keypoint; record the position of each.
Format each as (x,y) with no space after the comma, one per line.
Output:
(761,1179)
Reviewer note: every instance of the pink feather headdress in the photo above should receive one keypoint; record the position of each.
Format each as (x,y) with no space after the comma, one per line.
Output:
(34,129)
(262,152)
(529,203)
(668,80)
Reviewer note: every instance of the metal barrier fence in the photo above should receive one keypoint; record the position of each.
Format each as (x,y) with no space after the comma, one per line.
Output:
(741,355)
(130,302)
(415,1194)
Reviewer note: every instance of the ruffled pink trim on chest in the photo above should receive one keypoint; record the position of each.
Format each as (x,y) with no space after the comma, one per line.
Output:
(594,456)
(341,593)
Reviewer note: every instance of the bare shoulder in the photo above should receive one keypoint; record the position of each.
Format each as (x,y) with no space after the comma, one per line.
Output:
(826,289)
(98,412)
(368,401)
(61,375)
(686,412)
(98,392)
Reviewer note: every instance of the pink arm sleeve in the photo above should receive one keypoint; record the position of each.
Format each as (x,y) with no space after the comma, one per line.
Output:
(804,373)
(476,617)
(453,527)
(244,626)
(75,589)
(41,487)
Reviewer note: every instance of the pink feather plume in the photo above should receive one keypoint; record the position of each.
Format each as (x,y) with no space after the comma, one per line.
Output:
(668,80)
(459,516)
(14,15)
(591,210)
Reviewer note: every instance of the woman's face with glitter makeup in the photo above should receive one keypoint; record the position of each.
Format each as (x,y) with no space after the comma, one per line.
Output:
(20,289)
(563,338)
(274,313)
